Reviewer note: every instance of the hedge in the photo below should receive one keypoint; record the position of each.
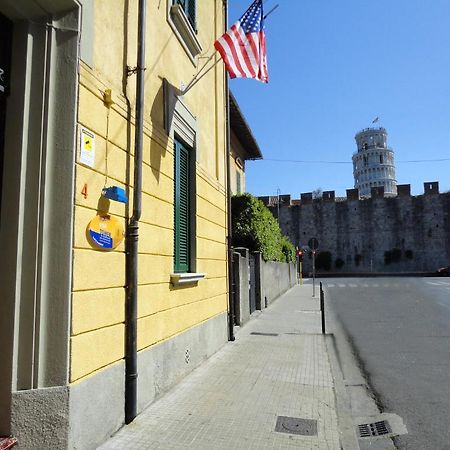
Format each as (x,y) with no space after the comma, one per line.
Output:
(255,228)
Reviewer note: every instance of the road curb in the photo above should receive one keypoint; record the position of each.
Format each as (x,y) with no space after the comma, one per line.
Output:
(374,274)
(348,438)
(356,399)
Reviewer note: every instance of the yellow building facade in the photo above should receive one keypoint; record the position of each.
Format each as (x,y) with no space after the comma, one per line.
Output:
(64,293)
(243,147)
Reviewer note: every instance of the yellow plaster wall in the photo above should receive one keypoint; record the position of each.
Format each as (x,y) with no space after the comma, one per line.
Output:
(236,150)
(98,299)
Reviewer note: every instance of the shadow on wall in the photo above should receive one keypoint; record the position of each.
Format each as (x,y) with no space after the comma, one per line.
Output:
(158,117)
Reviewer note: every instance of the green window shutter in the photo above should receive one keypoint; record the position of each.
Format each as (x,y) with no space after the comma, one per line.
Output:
(182,209)
(189,9)
(190,12)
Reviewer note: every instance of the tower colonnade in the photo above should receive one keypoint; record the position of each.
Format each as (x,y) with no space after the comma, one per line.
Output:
(373,162)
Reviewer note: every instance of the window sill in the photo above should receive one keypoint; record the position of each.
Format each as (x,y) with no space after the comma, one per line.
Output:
(180,279)
(182,28)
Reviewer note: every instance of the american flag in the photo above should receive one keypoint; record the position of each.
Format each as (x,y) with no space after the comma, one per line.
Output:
(243,46)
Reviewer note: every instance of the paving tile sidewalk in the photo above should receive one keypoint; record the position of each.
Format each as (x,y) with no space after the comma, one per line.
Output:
(233,400)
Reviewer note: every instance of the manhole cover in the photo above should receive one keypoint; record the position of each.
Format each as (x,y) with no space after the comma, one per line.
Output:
(294,425)
(263,334)
(374,429)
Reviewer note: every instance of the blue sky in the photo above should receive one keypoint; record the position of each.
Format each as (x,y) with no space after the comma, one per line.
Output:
(336,65)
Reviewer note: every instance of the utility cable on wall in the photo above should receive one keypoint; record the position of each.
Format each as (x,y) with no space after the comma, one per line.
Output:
(348,162)
(107,100)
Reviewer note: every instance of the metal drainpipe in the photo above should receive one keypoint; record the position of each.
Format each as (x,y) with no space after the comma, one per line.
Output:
(133,232)
(231,312)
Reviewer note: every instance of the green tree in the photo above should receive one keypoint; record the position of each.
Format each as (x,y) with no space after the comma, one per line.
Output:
(255,228)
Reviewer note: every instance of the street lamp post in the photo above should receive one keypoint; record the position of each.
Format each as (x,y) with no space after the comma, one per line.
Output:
(278,205)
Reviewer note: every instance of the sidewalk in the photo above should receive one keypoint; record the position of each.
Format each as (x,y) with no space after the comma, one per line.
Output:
(234,399)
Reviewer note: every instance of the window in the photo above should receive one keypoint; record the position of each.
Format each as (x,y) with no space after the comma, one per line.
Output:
(182,18)
(189,9)
(238,182)
(182,208)
(181,127)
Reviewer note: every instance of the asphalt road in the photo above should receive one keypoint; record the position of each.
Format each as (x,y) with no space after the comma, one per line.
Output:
(400,328)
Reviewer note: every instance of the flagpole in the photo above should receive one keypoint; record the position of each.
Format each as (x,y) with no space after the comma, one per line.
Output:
(201,69)
(271,11)
(201,74)
(207,61)
(197,78)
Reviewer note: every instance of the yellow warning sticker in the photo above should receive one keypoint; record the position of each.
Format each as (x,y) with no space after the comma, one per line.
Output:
(87,147)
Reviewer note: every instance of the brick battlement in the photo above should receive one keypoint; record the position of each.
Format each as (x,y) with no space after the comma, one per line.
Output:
(378,233)
(403,190)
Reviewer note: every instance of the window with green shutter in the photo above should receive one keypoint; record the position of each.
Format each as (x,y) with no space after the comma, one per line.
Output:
(181,208)
(189,9)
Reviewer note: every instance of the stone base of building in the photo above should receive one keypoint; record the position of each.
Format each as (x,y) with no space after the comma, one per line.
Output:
(86,413)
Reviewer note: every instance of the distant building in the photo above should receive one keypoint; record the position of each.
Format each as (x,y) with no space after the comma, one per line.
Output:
(373,163)
(243,147)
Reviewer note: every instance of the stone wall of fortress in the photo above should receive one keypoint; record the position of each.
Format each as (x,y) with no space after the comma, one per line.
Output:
(377,234)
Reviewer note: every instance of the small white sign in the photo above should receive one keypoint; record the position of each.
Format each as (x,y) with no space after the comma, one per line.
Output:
(87,147)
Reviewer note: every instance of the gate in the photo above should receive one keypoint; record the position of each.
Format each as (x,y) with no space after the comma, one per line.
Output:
(252,282)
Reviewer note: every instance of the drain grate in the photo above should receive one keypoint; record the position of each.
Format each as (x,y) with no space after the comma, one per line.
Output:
(257,333)
(374,429)
(294,425)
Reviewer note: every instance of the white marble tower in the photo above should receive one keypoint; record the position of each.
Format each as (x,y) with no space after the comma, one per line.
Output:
(373,163)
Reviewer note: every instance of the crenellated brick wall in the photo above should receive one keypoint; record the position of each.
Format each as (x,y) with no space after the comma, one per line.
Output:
(378,234)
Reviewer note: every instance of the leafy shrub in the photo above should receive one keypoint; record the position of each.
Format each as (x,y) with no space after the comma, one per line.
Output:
(288,249)
(392,256)
(255,228)
(387,257)
(339,263)
(323,261)
(396,255)
(409,254)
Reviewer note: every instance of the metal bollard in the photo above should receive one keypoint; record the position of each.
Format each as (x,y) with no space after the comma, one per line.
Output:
(322,307)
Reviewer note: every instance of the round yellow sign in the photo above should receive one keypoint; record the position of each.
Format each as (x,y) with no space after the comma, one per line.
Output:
(104,232)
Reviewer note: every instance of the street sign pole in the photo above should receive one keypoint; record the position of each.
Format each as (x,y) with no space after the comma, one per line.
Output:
(314,245)
(314,272)
(299,256)
(300,272)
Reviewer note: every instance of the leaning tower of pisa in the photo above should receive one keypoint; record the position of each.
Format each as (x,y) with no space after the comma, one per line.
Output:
(373,162)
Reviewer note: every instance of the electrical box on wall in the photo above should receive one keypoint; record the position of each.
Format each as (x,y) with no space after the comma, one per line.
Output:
(115,193)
